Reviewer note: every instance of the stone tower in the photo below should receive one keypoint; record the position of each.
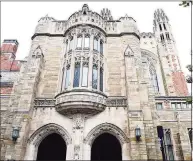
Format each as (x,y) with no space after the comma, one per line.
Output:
(174,81)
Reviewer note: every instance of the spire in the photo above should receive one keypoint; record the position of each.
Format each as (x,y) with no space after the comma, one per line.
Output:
(106,14)
(160,16)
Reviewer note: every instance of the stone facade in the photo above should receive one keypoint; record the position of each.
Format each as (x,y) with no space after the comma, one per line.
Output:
(115,81)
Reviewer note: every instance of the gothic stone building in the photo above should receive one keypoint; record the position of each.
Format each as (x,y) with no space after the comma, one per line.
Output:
(95,88)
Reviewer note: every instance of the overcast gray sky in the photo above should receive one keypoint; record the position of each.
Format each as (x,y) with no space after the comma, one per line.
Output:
(19,19)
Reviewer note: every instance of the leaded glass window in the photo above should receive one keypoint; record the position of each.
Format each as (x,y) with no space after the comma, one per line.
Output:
(183,104)
(67,80)
(87,41)
(173,105)
(79,41)
(94,77)
(168,144)
(85,75)
(178,105)
(159,106)
(160,27)
(164,26)
(76,74)
(101,79)
(101,47)
(154,80)
(95,44)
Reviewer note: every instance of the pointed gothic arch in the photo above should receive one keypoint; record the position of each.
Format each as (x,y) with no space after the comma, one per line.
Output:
(106,128)
(48,129)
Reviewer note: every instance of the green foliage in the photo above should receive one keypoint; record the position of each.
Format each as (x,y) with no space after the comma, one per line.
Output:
(189,100)
(185,3)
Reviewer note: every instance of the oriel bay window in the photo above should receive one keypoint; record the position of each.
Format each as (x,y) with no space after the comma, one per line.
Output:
(76,74)
(94,77)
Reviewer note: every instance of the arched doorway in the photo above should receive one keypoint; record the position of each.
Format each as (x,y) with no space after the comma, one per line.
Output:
(53,147)
(106,147)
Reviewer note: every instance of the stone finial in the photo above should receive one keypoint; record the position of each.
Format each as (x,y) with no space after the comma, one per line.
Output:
(85,9)
(106,14)
(159,15)
(37,52)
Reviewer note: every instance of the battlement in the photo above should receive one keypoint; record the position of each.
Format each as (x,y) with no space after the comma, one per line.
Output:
(147,35)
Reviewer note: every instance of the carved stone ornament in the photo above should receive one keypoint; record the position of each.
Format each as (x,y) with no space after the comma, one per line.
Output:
(78,121)
(37,52)
(41,102)
(48,129)
(106,128)
(129,52)
(76,152)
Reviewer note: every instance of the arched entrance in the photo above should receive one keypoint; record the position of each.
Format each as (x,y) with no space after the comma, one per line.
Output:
(52,147)
(106,147)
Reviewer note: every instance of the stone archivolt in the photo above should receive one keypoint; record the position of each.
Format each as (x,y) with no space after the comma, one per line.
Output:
(106,128)
(48,129)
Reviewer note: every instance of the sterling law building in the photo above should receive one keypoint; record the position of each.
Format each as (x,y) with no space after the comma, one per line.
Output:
(95,88)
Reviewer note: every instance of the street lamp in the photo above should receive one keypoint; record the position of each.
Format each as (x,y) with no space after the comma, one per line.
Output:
(137,133)
(15,133)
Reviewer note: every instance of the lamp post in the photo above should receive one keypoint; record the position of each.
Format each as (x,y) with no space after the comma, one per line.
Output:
(137,133)
(15,133)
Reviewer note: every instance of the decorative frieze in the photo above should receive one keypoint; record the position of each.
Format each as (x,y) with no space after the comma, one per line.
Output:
(116,102)
(44,102)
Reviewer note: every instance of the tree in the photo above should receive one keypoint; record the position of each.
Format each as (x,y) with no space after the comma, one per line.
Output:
(185,3)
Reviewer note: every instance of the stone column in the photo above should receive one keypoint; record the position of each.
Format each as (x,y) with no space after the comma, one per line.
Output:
(30,152)
(125,152)
(87,152)
(78,126)
(69,152)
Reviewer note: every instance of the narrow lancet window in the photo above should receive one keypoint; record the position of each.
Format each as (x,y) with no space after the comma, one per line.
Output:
(95,44)
(79,41)
(94,77)
(87,41)
(67,80)
(101,47)
(85,75)
(76,74)
(101,79)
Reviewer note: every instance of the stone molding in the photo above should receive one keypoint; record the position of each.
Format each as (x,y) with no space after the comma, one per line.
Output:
(106,128)
(44,102)
(48,129)
(117,102)
(110,102)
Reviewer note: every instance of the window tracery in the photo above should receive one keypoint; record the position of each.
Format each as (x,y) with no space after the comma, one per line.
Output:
(153,78)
